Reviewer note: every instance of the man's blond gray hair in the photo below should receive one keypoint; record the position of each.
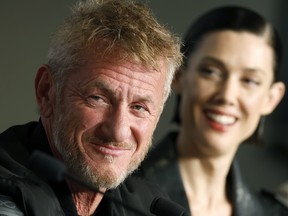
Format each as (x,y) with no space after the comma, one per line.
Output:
(113,28)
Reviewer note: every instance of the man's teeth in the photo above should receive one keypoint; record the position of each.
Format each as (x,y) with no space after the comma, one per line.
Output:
(221,119)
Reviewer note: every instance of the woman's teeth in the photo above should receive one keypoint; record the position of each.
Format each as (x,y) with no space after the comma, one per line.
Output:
(221,119)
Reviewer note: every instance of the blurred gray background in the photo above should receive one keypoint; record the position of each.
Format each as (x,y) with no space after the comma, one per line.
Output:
(25,30)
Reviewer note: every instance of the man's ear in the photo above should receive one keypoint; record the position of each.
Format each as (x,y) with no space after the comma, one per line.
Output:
(274,97)
(176,84)
(45,90)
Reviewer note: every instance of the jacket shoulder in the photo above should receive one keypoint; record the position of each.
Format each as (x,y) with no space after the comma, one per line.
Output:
(137,193)
(139,190)
(148,198)
(24,190)
(8,207)
(14,140)
(273,204)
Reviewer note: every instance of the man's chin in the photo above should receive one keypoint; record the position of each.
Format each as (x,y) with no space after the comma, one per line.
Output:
(108,178)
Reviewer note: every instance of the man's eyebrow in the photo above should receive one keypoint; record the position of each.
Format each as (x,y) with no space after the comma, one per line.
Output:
(105,88)
(102,86)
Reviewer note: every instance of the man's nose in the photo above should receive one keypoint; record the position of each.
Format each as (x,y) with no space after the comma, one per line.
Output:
(117,126)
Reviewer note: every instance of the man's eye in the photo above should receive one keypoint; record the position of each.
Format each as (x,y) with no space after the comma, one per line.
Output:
(139,107)
(140,111)
(94,100)
(95,97)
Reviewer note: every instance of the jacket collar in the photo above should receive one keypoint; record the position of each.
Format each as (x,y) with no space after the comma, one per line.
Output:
(244,201)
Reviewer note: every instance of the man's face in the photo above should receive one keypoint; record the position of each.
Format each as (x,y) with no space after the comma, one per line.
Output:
(105,117)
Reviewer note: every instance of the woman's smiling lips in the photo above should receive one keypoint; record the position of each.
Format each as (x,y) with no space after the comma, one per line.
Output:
(219,120)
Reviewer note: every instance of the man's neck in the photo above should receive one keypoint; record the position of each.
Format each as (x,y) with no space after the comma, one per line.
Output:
(86,201)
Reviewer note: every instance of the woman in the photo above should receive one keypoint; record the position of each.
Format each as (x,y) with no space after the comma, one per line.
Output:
(227,84)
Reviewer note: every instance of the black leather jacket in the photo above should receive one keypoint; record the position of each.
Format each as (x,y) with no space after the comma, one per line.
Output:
(161,167)
(22,192)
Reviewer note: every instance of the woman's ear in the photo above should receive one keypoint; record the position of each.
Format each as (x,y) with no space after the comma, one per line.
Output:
(274,97)
(44,90)
(176,84)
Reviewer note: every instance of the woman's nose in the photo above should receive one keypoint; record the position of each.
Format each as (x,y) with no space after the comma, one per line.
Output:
(227,91)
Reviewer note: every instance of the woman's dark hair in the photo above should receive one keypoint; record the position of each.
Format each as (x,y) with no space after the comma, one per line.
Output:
(235,18)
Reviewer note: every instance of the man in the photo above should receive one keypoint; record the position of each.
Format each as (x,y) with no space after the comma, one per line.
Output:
(100,97)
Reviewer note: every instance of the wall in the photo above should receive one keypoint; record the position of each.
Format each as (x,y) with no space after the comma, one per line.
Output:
(25,30)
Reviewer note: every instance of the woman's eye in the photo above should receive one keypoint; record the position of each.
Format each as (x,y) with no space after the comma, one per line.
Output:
(209,71)
(250,81)
(205,70)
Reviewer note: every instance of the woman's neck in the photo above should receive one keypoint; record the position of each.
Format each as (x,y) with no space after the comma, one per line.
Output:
(204,179)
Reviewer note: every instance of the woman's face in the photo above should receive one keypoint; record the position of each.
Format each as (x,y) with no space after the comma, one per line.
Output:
(225,89)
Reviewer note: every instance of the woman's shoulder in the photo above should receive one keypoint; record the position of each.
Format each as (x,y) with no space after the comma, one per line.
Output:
(273,203)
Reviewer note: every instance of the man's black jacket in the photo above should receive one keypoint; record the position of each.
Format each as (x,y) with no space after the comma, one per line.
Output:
(39,197)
